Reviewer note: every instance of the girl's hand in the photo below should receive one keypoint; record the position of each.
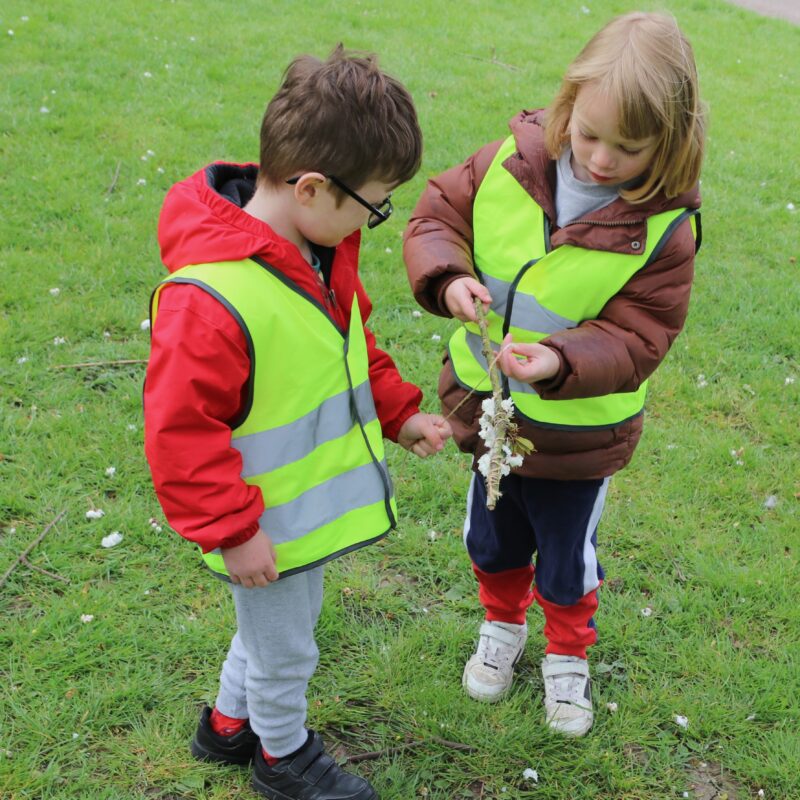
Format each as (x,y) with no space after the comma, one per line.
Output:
(252,563)
(537,363)
(458,298)
(424,434)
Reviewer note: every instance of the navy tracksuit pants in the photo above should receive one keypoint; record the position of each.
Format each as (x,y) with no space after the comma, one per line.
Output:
(539,543)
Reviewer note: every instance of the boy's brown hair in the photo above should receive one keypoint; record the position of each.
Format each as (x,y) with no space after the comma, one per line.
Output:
(343,117)
(646,66)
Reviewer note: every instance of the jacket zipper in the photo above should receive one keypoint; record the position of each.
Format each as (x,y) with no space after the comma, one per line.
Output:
(602,223)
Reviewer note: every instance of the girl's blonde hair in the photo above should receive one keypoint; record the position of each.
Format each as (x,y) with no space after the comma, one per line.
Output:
(644,64)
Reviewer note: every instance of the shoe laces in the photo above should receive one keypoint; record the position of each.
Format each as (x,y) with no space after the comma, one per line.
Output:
(567,687)
(494,653)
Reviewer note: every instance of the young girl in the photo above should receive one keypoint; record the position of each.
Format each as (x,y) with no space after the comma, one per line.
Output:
(578,233)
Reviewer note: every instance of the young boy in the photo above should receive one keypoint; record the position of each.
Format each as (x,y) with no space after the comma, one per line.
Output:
(266,398)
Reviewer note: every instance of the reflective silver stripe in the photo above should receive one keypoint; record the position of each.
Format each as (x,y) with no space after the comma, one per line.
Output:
(536,316)
(526,307)
(474,344)
(267,450)
(359,487)
(499,291)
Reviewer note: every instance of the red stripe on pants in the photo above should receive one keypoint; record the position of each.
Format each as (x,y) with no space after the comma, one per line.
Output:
(507,595)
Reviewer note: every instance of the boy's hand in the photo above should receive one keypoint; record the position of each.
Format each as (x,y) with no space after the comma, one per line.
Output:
(538,362)
(458,298)
(424,434)
(252,563)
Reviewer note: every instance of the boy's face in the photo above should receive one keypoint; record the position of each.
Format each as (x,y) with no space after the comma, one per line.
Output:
(325,223)
(600,154)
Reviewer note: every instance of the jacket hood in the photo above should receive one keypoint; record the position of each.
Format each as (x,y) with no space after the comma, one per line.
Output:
(528,130)
(202,220)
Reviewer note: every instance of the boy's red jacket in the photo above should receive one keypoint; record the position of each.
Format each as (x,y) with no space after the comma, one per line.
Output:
(199,365)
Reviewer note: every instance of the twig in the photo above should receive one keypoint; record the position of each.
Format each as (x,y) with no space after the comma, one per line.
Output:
(114,179)
(21,558)
(501,419)
(53,575)
(122,363)
(406,746)
(492,60)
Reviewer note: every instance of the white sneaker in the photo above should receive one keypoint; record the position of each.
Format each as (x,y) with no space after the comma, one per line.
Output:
(488,673)
(567,694)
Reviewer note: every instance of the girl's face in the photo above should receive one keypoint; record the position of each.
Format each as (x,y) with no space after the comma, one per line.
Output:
(600,154)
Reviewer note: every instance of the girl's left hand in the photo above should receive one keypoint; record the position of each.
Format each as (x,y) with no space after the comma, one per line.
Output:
(537,363)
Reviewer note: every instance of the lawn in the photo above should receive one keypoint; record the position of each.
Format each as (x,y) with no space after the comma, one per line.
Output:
(107,654)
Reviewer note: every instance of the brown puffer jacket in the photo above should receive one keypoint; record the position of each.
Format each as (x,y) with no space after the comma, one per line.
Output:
(613,353)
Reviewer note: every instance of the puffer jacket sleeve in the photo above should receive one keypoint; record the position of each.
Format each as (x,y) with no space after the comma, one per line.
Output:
(631,336)
(437,244)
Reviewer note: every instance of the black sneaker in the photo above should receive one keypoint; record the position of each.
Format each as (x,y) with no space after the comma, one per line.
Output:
(209,746)
(310,774)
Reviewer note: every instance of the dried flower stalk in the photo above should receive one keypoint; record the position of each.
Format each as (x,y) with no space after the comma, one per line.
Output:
(499,432)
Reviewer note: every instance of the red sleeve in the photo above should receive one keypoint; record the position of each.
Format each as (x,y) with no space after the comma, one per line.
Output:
(395,399)
(198,367)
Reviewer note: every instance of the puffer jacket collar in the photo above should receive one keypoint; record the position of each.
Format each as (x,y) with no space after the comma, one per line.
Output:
(619,227)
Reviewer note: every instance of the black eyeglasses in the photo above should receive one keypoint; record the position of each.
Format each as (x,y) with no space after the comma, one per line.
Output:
(377,214)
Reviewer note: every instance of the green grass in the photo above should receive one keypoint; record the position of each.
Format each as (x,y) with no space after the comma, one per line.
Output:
(104,709)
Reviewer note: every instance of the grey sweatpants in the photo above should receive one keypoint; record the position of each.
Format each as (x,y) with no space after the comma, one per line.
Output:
(272,658)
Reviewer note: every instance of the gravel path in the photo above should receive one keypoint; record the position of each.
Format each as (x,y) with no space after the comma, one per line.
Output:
(783,9)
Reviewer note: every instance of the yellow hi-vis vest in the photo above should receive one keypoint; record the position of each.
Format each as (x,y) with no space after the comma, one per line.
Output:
(537,291)
(309,436)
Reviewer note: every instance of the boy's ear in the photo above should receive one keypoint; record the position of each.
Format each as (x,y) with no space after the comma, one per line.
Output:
(307,187)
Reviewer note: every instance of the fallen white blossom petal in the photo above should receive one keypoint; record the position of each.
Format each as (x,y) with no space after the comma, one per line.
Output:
(750,718)
(44,110)
(761,793)
(145,325)
(59,340)
(586,10)
(612,707)
(771,502)
(106,334)
(790,206)
(672,447)
(647,611)
(788,381)
(160,170)
(10,32)
(681,720)
(436,337)
(416,314)
(24,19)
(112,540)
(388,250)
(22,359)
(433,535)
(147,74)
(95,513)
(55,291)
(111,471)
(151,152)
(141,182)
(131,427)
(531,775)
(87,617)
